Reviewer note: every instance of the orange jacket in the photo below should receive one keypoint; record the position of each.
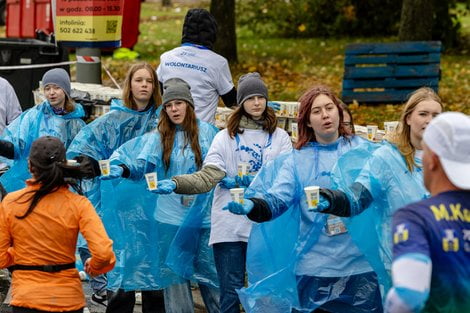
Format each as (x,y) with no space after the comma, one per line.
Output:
(49,236)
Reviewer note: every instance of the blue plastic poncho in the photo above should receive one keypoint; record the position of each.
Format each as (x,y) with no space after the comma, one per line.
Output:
(295,245)
(143,225)
(38,121)
(103,136)
(392,185)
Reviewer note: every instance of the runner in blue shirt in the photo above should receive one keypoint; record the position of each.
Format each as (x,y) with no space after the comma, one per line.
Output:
(431,238)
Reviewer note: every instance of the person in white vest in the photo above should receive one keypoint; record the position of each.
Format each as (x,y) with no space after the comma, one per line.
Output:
(251,138)
(205,71)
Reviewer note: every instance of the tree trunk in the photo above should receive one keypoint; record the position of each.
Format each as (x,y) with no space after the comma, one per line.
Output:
(166,3)
(224,13)
(416,20)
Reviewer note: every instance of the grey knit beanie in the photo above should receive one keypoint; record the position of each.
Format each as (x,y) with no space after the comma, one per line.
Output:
(59,77)
(177,89)
(250,85)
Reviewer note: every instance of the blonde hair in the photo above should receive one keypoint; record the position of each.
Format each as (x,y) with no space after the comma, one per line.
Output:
(402,137)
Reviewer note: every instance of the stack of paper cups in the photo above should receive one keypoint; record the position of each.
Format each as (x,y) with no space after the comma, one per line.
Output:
(372,132)
(390,127)
(295,132)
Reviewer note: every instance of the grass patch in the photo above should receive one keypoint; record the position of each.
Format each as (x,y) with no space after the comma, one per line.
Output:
(289,66)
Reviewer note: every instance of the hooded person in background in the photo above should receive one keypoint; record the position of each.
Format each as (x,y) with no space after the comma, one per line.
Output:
(205,71)
(431,238)
(57,116)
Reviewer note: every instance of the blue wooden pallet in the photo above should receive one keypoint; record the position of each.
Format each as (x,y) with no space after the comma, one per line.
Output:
(389,72)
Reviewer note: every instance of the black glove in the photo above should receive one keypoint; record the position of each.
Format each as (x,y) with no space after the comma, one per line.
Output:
(7,149)
(89,166)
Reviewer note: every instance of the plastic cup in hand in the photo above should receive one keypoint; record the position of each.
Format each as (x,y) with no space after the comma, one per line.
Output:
(312,193)
(151,179)
(72,163)
(104,167)
(242,169)
(372,132)
(237,194)
(295,132)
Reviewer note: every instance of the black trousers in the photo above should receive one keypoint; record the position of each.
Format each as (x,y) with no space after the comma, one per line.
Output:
(124,301)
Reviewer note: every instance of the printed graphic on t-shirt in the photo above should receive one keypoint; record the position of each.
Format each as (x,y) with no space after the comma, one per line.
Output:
(401,233)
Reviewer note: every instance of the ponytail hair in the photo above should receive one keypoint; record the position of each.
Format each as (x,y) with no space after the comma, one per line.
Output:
(51,171)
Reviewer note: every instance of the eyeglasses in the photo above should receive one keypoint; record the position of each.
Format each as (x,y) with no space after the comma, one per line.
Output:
(347,124)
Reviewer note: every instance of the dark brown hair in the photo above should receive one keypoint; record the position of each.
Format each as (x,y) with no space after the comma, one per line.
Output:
(306,132)
(167,132)
(345,108)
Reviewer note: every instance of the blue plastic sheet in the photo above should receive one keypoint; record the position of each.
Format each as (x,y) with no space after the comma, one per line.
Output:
(103,136)
(30,125)
(143,225)
(189,255)
(384,173)
(291,247)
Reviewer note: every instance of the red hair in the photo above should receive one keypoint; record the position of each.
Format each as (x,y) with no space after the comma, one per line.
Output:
(306,133)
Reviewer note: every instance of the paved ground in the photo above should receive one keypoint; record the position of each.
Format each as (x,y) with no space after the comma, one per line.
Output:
(92,308)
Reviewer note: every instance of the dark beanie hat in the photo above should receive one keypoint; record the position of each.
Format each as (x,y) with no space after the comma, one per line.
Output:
(199,28)
(59,77)
(177,89)
(46,150)
(250,85)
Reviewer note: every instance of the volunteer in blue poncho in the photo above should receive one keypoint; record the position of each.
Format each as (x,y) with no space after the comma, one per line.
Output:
(303,260)
(134,115)
(57,116)
(387,179)
(143,224)
(251,138)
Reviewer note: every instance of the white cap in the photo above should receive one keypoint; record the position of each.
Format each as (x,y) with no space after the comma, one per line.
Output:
(448,136)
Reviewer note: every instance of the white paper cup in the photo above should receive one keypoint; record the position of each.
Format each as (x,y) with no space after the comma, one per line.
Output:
(282,109)
(295,132)
(242,169)
(390,127)
(72,163)
(372,132)
(312,193)
(237,194)
(152,180)
(104,167)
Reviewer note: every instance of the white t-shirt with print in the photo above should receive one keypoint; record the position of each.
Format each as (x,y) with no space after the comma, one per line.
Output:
(205,71)
(254,147)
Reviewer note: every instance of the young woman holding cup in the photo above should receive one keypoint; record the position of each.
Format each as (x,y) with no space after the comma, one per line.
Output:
(143,224)
(372,186)
(249,141)
(57,116)
(312,253)
(134,115)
